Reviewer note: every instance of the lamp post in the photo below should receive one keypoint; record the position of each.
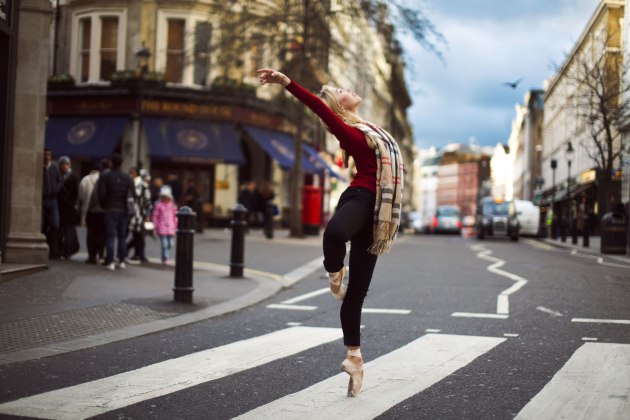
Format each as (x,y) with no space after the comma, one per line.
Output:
(554,165)
(143,55)
(572,221)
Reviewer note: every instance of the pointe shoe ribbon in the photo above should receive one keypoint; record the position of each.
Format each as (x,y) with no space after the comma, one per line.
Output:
(335,281)
(356,377)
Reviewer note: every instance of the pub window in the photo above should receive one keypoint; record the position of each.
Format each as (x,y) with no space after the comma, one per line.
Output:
(203,36)
(97,45)
(85,33)
(109,44)
(175,50)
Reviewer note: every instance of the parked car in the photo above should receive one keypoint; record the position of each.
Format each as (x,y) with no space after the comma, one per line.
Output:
(447,219)
(497,218)
(528,215)
(416,221)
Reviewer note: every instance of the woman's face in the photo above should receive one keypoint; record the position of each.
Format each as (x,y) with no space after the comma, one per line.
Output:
(347,98)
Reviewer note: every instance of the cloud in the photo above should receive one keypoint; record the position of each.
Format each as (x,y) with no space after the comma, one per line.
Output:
(490,42)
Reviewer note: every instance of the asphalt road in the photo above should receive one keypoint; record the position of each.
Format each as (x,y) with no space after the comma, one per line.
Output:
(535,311)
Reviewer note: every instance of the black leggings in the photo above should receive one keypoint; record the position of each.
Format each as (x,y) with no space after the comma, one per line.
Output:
(352,221)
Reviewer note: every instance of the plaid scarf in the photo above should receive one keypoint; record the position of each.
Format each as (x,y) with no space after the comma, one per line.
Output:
(389,187)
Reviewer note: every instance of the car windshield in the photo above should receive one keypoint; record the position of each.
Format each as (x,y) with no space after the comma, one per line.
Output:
(498,209)
(448,211)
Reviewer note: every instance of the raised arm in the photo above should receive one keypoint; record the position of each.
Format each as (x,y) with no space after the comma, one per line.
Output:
(335,124)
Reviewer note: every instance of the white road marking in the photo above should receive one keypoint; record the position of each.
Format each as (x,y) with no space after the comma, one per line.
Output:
(388,380)
(432,330)
(386,311)
(293,324)
(306,296)
(589,339)
(601,321)
(292,307)
(593,384)
(299,273)
(510,335)
(549,311)
(478,315)
(107,394)
(503,302)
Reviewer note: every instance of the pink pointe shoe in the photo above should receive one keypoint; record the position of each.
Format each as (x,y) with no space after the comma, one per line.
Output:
(356,376)
(335,281)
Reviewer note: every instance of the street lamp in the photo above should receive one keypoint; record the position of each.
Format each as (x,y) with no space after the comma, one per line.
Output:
(569,154)
(143,55)
(554,165)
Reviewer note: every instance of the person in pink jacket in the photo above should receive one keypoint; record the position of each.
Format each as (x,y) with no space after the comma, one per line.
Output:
(165,221)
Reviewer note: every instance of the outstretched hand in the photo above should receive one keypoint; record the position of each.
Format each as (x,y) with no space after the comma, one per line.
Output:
(272,76)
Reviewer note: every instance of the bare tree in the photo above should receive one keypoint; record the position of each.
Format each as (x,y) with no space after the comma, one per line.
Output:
(601,104)
(298,32)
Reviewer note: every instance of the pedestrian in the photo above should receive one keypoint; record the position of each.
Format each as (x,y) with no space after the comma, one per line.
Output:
(176,186)
(156,186)
(269,209)
(368,213)
(141,211)
(191,199)
(51,185)
(86,186)
(165,221)
(115,187)
(96,237)
(68,215)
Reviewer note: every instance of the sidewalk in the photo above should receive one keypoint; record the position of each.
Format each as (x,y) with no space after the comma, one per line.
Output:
(593,248)
(73,306)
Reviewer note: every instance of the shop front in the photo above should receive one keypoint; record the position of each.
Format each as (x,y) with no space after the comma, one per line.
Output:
(204,144)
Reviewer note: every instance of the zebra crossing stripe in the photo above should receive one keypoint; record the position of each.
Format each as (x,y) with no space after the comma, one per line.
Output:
(118,391)
(389,380)
(593,384)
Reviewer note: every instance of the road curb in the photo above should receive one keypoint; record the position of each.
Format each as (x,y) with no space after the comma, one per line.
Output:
(268,285)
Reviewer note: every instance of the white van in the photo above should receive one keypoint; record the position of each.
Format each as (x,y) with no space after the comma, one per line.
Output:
(528,217)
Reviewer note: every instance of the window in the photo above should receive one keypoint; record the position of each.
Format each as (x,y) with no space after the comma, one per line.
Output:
(183,47)
(203,36)
(84,53)
(175,51)
(97,45)
(109,43)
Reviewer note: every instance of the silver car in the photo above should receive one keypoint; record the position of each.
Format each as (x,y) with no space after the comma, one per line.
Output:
(447,219)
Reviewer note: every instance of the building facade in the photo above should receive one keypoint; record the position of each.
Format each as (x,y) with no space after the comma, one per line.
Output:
(173,87)
(565,130)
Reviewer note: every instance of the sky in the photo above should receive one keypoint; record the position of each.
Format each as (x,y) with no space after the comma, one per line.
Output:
(489,42)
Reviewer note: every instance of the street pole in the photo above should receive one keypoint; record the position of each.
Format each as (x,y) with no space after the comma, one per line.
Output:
(554,165)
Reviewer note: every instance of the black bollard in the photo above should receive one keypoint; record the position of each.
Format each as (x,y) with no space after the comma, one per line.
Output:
(574,232)
(563,230)
(183,290)
(239,225)
(585,233)
(268,226)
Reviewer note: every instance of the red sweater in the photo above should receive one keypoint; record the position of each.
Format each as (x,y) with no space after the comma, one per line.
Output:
(351,139)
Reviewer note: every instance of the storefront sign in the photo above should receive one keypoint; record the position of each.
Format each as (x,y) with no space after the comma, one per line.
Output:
(587,176)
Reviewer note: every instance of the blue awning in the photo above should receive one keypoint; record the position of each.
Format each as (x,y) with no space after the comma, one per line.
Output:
(84,136)
(320,163)
(280,147)
(192,141)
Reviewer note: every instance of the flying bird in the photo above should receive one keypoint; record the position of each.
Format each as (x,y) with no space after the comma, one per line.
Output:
(514,84)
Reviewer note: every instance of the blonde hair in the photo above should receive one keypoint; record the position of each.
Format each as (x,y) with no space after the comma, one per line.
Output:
(352,120)
(331,101)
